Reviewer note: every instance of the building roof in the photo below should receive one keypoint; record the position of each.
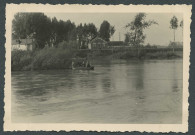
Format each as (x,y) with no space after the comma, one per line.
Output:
(98,39)
(22,41)
(116,43)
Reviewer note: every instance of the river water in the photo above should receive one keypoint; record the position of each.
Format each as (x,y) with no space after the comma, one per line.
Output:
(117,91)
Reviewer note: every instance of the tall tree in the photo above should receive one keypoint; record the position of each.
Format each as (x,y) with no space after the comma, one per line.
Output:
(174,24)
(86,32)
(181,25)
(106,30)
(79,31)
(65,31)
(24,24)
(136,28)
(18,24)
(112,30)
(54,30)
(48,31)
(90,31)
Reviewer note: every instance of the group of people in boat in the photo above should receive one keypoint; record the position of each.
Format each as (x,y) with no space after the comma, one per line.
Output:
(83,63)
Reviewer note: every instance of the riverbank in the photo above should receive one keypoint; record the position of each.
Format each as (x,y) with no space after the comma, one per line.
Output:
(45,59)
(149,55)
(58,58)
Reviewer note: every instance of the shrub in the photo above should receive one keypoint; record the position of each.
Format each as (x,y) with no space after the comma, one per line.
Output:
(82,53)
(20,59)
(68,45)
(47,58)
(52,58)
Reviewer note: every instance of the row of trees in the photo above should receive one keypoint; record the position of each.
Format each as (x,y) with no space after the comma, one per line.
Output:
(46,31)
(136,35)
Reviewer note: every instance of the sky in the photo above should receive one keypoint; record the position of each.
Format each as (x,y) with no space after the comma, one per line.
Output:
(160,34)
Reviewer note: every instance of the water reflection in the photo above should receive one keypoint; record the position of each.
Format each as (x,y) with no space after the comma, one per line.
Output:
(115,92)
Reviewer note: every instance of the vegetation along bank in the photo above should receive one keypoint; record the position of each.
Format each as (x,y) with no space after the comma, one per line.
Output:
(59,58)
(43,43)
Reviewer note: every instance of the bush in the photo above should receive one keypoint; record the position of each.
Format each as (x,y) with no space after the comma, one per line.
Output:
(162,55)
(47,58)
(68,45)
(21,59)
(82,53)
(52,58)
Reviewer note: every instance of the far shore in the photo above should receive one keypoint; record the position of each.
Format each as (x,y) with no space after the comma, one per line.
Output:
(57,58)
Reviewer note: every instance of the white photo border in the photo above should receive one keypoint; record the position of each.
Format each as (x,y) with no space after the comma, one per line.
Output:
(11,9)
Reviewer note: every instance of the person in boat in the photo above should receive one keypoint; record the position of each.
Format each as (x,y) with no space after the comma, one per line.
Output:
(83,63)
(87,64)
(72,64)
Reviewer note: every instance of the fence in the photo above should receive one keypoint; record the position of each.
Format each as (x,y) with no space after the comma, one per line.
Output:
(145,49)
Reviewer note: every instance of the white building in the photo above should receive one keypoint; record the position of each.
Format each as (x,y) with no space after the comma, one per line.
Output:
(22,44)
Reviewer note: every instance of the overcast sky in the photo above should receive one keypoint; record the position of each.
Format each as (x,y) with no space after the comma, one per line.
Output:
(159,34)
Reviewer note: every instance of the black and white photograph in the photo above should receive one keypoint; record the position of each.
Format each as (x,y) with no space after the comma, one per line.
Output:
(103,67)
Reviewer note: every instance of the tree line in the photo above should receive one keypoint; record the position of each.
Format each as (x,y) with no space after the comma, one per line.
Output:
(50,31)
(136,35)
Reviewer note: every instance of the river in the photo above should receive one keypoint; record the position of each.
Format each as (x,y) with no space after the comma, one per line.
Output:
(117,91)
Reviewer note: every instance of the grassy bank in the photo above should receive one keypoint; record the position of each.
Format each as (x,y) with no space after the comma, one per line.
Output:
(134,54)
(47,58)
(148,55)
(60,58)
